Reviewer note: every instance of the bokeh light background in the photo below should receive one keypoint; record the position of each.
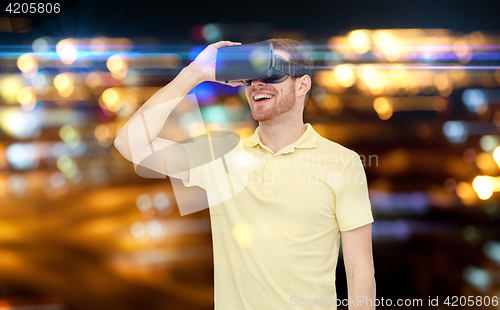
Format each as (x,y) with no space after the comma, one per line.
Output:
(419,99)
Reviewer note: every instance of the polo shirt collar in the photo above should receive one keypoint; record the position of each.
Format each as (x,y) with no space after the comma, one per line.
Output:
(308,139)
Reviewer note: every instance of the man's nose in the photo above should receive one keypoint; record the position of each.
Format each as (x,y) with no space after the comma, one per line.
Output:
(258,83)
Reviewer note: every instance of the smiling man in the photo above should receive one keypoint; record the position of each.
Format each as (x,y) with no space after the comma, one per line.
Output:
(276,242)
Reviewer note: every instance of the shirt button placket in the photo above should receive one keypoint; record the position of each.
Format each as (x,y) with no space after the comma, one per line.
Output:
(267,188)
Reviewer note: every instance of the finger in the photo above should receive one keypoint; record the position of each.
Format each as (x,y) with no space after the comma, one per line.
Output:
(224,43)
(236,83)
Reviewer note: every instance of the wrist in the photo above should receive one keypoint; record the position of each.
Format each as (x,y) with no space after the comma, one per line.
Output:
(192,74)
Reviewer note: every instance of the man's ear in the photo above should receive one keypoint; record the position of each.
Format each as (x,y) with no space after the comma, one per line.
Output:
(304,84)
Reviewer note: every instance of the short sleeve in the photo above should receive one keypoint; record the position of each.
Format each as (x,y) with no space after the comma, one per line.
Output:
(352,203)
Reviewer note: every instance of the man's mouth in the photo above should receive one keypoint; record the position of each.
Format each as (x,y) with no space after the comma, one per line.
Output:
(262,97)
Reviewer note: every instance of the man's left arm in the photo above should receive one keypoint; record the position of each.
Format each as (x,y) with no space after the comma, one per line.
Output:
(358,260)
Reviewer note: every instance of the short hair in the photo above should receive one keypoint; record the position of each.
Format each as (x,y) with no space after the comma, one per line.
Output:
(298,55)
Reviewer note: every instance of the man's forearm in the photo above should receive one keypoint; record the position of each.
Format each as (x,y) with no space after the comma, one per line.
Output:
(362,292)
(179,87)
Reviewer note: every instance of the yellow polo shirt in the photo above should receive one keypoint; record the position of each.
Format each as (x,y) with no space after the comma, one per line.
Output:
(276,237)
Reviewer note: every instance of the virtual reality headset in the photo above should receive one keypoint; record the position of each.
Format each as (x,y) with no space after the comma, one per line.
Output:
(257,61)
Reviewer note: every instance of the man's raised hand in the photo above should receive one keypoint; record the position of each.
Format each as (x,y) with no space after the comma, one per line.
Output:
(204,64)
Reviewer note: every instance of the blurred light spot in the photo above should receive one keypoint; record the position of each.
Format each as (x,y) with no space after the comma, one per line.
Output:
(67,166)
(205,94)
(64,84)
(117,66)
(57,180)
(443,85)
(450,185)
(28,65)
(145,205)
(70,136)
(440,104)
(19,124)
(41,84)
(9,85)
(496,155)
(244,132)
(243,234)
(133,78)
(197,129)
(66,49)
(22,156)
(330,102)
(462,51)
(41,47)
(466,193)
(156,231)
(211,33)
(93,79)
(400,203)
(18,186)
(98,45)
(475,100)
(360,41)
(213,127)
(371,78)
(387,44)
(112,99)
(138,230)
(241,158)
(478,278)
(455,131)
(488,142)
(27,98)
(398,230)
(56,185)
(424,131)
(486,163)
(214,114)
(104,135)
(483,187)
(345,75)
(383,107)
(162,203)
(492,250)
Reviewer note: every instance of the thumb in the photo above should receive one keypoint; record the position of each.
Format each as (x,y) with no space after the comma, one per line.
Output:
(236,83)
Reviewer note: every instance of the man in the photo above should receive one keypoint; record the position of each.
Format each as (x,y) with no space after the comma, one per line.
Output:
(276,242)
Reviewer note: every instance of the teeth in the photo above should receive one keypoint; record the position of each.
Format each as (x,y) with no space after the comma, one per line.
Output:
(261,96)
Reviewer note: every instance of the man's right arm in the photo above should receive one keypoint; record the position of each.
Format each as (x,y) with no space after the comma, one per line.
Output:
(138,137)
(137,141)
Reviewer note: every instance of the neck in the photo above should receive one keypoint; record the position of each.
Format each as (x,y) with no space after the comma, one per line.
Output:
(276,134)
